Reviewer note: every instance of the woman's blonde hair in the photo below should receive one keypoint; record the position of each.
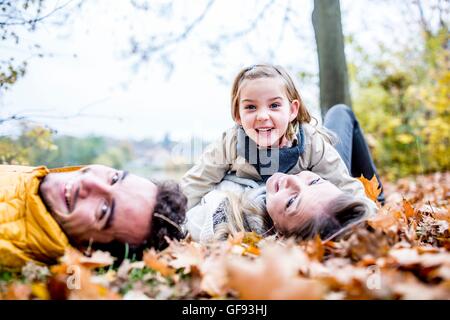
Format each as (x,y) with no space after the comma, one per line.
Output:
(269,71)
(243,214)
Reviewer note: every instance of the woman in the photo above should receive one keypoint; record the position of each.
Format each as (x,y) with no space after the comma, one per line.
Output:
(300,205)
(305,205)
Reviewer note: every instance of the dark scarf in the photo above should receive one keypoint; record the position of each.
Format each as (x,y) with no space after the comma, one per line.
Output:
(268,161)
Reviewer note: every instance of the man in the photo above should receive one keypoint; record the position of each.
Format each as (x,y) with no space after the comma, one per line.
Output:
(42,211)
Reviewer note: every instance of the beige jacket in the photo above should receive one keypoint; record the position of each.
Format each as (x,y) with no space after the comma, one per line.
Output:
(221,157)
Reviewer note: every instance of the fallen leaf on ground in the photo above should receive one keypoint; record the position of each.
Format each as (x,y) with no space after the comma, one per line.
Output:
(371,187)
(275,275)
(153,260)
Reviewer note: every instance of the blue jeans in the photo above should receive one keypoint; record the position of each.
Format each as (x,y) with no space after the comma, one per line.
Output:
(352,146)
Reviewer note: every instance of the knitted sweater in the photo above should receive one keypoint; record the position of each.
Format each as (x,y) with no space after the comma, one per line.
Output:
(202,218)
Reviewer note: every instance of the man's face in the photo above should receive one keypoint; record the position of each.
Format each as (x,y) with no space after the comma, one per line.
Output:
(292,200)
(101,204)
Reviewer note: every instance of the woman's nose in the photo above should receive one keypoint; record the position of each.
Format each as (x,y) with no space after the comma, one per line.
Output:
(284,182)
(291,184)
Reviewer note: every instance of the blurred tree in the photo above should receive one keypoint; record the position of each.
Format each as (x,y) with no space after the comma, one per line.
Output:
(74,151)
(407,92)
(333,77)
(36,146)
(28,147)
(116,156)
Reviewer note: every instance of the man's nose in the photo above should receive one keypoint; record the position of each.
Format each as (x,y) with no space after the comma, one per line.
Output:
(92,185)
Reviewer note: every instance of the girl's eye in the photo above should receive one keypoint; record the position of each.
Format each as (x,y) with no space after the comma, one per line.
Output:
(115,178)
(274,105)
(290,201)
(314,181)
(250,107)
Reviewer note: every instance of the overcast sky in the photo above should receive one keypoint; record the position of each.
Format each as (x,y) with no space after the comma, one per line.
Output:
(89,73)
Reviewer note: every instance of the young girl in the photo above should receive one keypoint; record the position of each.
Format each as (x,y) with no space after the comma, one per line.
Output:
(272,134)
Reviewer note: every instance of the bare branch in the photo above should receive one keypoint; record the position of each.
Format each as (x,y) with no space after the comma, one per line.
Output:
(249,28)
(79,114)
(285,21)
(14,117)
(23,21)
(443,13)
(151,49)
(423,21)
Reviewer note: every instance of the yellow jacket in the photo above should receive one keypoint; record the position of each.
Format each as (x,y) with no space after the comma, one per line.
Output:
(28,232)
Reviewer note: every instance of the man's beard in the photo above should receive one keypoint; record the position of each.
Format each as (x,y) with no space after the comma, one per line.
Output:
(46,201)
(61,222)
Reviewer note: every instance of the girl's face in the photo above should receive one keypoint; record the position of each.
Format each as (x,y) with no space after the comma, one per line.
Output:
(265,111)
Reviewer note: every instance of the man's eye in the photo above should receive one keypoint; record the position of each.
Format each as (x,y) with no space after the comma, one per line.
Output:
(84,170)
(314,181)
(115,178)
(290,201)
(103,211)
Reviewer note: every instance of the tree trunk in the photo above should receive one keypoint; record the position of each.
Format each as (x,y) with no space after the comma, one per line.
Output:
(333,77)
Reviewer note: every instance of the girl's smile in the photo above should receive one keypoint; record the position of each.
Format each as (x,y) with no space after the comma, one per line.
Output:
(265,111)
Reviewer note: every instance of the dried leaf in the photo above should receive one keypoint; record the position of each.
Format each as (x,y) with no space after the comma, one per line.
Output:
(315,249)
(408,257)
(409,210)
(154,261)
(383,221)
(245,243)
(214,276)
(40,291)
(418,291)
(371,187)
(274,275)
(98,259)
(57,286)
(189,256)
(135,295)
(33,272)
(88,290)
(74,280)
(18,291)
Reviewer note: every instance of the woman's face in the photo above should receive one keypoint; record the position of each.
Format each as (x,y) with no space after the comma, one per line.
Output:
(292,200)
